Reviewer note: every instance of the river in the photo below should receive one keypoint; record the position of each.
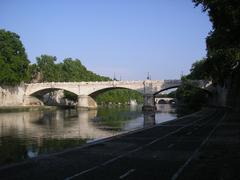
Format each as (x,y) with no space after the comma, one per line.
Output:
(25,135)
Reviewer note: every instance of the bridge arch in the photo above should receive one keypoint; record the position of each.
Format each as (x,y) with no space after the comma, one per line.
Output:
(41,97)
(100,91)
(177,86)
(165,89)
(48,90)
(101,88)
(36,88)
(162,101)
(90,99)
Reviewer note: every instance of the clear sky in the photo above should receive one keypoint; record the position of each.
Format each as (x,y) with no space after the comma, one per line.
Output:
(128,37)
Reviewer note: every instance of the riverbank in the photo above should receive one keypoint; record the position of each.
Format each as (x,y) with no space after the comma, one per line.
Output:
(6,109)
(162,151)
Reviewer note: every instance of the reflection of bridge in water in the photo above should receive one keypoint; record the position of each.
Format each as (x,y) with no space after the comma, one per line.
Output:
(67,124)
(57,124)
(39,131)
(63,124)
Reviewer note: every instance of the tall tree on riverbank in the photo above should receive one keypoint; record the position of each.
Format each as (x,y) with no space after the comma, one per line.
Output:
(223,42)
(13,59)
(70,70)
(74,70)
(50,71)
(223,45)
(199,70)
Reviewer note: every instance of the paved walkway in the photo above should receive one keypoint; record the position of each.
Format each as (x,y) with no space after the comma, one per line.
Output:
(204,145)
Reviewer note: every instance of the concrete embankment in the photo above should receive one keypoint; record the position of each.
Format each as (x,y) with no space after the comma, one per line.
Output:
(11,96)
(14,96)
(203,145)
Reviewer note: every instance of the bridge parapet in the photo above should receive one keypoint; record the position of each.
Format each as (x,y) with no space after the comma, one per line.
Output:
(88,83)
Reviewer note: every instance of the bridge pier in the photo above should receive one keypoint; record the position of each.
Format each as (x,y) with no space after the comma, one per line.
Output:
(149,103)
(31,101)
(149,119)
(86,102)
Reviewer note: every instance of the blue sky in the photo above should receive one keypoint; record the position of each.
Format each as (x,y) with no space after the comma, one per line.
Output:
(128,37)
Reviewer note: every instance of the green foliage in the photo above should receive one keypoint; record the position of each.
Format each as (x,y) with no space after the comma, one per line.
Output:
(13,59)
(162,95)
(48,68)
(115,96)
(200,70)
(73,70)
(191,96)
(223,42)
(70,96)
(68,71)
(33,70)
(172,94)
(115,118)
(119,96)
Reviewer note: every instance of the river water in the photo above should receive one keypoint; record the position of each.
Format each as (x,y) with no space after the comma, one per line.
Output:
(25,135)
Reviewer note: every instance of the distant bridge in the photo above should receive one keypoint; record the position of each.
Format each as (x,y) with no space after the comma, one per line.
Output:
(164,100)
(87,91)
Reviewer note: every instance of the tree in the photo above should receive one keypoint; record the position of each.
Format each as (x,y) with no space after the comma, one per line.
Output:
(200,70)
(223,45)
(223,42)
(48,68)
(191,96)
(13,59)
(73,70)
(119,96)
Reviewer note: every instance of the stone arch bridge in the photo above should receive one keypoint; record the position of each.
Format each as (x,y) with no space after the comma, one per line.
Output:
(87,91)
